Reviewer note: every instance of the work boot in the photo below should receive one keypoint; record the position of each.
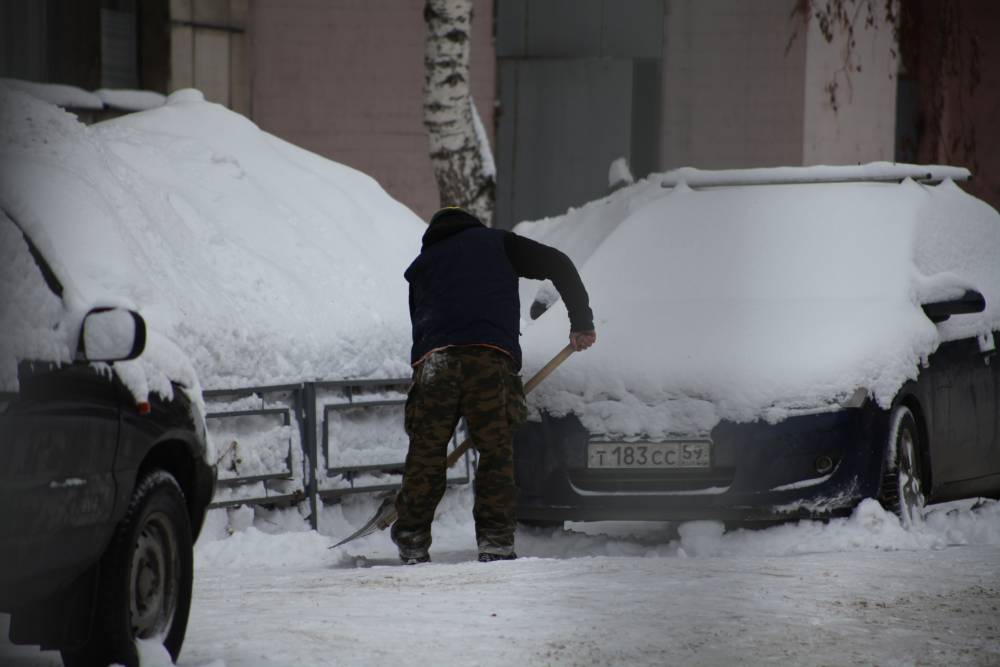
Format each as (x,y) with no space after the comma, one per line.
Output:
(486,557)
(412,544)
(415,560)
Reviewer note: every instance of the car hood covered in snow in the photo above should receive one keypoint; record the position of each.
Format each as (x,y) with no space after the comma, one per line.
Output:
(255,261)
(756,302)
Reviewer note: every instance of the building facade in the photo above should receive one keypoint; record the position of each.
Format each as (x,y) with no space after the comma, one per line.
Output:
(564,87)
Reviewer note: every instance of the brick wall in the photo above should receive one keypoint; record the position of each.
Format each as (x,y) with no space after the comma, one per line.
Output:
(344,78)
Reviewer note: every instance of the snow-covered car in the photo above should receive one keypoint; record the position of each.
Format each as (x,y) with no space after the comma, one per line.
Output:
(252,262)
(773,344)
(102,493)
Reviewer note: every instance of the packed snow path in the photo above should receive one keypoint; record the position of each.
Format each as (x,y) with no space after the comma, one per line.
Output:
(856,591)
(934,608)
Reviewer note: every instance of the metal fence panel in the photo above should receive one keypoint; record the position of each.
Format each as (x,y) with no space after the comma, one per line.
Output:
(331,438)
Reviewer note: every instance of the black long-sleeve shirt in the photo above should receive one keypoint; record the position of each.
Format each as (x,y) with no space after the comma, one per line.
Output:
(538,261)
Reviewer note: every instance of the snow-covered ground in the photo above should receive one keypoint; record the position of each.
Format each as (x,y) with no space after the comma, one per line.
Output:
(855,591)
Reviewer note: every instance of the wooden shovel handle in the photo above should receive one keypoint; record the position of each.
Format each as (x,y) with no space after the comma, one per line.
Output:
(543,373)
(547,369)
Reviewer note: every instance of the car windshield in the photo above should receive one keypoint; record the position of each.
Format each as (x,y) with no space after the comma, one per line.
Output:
(31,315)
(764,242)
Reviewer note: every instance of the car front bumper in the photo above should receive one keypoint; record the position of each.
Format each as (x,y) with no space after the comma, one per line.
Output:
(759,472)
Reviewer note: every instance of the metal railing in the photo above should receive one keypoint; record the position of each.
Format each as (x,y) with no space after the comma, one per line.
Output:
(306,411)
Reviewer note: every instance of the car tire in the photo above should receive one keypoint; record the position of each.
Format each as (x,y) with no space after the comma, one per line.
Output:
(902,489)
(145,578)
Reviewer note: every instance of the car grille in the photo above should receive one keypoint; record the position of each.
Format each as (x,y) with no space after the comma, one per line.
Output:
(650,481)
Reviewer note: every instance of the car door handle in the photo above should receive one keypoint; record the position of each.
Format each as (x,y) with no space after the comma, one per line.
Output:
(68,482)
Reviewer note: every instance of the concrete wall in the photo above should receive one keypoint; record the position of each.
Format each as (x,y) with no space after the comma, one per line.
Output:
(344,78)
(850,98)
(208,50)
(579,88)
(732,96)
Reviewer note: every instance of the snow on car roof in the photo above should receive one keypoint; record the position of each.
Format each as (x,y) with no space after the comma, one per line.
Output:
(262,262)
(754,302)
(871,172)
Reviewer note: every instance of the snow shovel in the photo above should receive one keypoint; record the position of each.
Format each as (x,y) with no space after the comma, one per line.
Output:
(386,514)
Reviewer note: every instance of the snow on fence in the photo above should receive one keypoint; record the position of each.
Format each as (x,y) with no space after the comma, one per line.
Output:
(311,441)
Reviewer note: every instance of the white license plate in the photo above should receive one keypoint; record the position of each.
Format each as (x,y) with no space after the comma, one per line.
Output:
(650,455)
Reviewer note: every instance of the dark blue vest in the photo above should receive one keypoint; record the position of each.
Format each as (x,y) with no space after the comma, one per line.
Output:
(463,291)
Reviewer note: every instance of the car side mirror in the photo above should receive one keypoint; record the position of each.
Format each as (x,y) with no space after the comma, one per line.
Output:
(970,302)
(112,334)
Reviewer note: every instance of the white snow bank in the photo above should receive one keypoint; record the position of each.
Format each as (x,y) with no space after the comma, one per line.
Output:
(282,539)
(57,93)
(77,98)
(753,302)
(251,547)
(259,261)
(130,100)
(974,522)
(619,173)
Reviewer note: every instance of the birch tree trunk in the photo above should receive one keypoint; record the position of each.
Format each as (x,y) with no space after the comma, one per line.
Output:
(459,148)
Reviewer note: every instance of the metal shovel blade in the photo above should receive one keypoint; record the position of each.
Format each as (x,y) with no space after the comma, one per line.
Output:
(384,517)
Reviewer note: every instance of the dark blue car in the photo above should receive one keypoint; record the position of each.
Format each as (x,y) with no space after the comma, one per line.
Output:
(774,351)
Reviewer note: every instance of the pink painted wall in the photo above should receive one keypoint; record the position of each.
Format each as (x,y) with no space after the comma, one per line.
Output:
(344,78)
(733,85)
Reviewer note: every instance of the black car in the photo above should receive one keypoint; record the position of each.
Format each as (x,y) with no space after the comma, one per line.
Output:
(101,497)
(933,436)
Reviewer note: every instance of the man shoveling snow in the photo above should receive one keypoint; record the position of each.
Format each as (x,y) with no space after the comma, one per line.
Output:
(465,313)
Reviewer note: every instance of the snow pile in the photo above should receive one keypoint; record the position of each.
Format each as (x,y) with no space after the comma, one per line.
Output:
(619,173)
(958,247)
(975,522)
(56,93)
(130,100)
(742,303)
(77,98)
(262,262)
(282,538)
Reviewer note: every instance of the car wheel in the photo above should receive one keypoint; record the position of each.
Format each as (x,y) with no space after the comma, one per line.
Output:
(902,490)
(145,578)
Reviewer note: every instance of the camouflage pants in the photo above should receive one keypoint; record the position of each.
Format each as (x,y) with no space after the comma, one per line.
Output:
(480,384)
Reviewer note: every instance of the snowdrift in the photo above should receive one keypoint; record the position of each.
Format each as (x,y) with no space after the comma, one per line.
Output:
(261,262)
(757,302)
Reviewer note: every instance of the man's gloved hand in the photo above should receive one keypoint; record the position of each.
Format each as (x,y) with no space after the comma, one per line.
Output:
(581,340)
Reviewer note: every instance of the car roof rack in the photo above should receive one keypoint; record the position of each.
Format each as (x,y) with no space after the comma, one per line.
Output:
(873,172)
